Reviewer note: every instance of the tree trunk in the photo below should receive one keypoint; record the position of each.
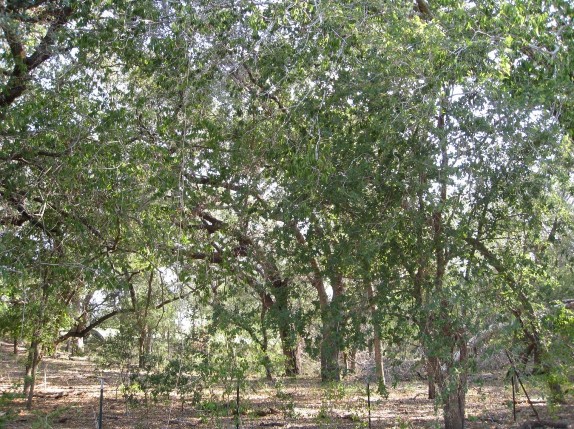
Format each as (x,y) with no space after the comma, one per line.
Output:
(15,345)
(352,360)
(78,348)
(330,370)
(28,370)
(453,382)
(331,316)
(377,343)
(379,364)
(268,367)
(329,348)
(34,357)
(431,367)
(287,334)
(265,342)
(267,360)
(454,407)
(291,354)
(82,308)
(34,353)
(144,346)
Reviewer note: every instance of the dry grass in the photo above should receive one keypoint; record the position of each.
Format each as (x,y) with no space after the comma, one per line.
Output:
(68,392)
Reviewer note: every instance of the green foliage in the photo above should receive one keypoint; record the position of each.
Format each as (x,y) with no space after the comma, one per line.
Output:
(286,400)
(177,376)
(7,412)
(261,163)
(46,420)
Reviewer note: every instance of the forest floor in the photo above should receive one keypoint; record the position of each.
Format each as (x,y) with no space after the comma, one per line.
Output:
(67,396)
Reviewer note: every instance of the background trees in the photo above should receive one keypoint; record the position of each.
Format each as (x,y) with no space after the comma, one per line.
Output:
(304,173)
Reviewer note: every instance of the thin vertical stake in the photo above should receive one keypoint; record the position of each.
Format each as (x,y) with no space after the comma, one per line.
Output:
(369,402)
(237,405)
(513,397)
(100,417)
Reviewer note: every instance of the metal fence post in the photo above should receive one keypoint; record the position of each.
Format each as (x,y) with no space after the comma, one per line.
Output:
(100,417)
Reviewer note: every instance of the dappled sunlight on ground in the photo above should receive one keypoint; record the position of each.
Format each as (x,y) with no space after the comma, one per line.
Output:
(67,396)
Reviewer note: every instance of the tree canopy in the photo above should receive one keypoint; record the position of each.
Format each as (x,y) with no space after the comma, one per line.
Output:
(319,175)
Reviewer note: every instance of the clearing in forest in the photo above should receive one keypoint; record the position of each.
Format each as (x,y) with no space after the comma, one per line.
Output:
(68,397)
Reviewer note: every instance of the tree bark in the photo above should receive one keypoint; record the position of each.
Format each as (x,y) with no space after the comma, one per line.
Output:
(265,342)
(377,343)
(349,358)
(82,308)
(144,340)
(431,367)
(277,302)
(330,370)
(454,409)
(330,315)
(143,345)
(291,353)
(35,351)
(287,334)
(454,391)
(34,357)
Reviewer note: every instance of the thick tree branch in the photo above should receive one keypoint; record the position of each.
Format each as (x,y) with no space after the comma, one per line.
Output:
(423,8)
(16,47)
(24,65)
(263,91)
(81,333)
(22,5)
(24,156)
(317,278)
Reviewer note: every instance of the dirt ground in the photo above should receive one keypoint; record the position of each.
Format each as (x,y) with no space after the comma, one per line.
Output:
(67,397)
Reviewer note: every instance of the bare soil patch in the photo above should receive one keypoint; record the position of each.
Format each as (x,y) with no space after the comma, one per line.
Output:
(67,397)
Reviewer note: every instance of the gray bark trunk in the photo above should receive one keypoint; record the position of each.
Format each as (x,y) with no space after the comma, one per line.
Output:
(377,343)
(454,408)
(330,370)
(30,383)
